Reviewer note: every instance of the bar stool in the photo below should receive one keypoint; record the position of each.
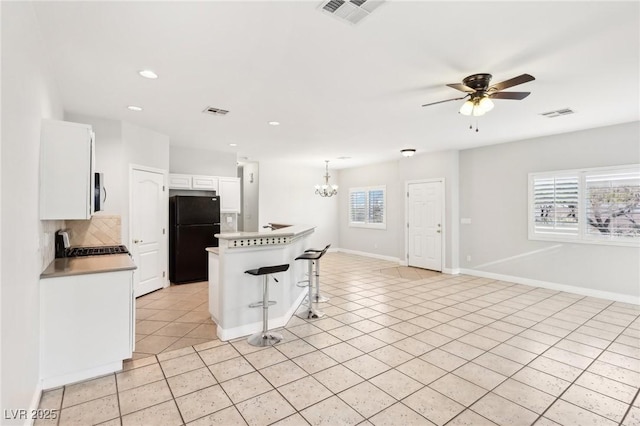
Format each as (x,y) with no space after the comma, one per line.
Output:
(311,311)
(264,337)
(317,297)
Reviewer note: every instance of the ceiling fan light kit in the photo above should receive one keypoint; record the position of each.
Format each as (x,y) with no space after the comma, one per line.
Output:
(480,93)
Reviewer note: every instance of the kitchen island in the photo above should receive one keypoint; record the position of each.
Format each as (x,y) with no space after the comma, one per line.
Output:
(231,290)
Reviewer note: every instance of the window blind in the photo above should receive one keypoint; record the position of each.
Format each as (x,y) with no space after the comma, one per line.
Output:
(555,204)
(357,206)
(367,207)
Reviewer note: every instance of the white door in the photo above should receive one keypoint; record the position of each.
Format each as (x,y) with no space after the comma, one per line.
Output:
(424,230)
(149,219)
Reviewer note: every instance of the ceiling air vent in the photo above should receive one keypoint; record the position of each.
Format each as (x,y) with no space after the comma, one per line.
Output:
(557,113)
(352,11)
(215,111)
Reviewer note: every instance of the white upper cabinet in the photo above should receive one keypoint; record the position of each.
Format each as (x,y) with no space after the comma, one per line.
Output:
(66,170)
(229,194)
(177,181)
(207,183)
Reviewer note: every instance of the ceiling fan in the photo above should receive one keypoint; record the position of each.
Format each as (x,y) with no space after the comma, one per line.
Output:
(480,92)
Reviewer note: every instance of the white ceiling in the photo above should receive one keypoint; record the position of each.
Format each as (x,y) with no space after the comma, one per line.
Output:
(340,89)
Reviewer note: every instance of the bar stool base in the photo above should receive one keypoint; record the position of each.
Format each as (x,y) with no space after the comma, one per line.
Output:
(264,339)
(311,314)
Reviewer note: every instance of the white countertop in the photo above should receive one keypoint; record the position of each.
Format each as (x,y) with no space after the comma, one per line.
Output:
(289,231)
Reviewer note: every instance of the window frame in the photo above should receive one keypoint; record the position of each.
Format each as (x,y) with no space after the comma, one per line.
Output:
(582,236)
(366,223)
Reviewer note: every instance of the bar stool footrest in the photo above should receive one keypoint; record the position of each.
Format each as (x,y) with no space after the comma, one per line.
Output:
(260,304)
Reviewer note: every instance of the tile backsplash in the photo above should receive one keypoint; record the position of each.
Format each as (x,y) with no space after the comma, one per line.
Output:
(100,230)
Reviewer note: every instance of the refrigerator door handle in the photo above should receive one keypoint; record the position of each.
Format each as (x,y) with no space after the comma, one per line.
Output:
(217,223)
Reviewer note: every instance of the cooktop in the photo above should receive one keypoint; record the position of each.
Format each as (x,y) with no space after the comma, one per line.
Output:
(95,251)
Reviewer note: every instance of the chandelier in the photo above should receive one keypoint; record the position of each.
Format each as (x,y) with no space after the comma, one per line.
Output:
(326,190)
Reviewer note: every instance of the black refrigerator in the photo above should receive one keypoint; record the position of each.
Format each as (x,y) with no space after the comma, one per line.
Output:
(193,222)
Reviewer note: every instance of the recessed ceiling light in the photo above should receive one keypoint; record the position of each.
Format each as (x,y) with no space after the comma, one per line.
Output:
(344,158)
(134,108)
(233,144)
(274,123)
(148,74)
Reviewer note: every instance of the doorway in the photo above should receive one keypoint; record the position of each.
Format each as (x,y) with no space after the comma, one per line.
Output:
(148,206)
(425,224)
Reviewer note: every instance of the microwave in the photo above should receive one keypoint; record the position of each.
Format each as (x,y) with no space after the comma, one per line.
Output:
(99,192)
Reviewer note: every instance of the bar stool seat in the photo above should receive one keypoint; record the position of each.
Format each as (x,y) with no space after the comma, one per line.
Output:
(264,337)
(311,312)
(317,297)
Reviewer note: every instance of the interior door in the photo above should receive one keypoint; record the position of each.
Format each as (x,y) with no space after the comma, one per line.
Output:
(148,223)
(424,230)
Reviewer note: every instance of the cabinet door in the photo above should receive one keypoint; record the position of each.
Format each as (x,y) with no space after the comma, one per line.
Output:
(86,323)
(229,194)
(208,183)
(177,181)
(66,170)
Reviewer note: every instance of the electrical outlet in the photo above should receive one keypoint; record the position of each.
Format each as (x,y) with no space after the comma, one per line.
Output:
(229,219)
(468,258)
(375,246)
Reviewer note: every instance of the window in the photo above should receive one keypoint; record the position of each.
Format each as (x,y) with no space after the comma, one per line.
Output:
(368,207)
(590,205)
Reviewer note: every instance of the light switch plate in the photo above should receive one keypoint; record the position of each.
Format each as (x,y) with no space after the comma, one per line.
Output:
(229,219)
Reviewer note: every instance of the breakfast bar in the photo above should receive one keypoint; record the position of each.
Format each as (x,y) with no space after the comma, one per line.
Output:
(231,290)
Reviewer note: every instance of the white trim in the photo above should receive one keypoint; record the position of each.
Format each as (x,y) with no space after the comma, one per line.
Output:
(373,255)
(247,329)
(77,376)
(451,271)
(35,403)
(443,239)
(618,297)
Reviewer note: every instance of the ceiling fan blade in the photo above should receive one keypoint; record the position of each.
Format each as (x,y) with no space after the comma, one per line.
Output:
(512,82)
(461,87)
(439,102)
(509,95)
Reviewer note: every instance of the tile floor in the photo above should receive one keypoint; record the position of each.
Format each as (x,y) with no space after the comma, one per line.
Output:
(442,349)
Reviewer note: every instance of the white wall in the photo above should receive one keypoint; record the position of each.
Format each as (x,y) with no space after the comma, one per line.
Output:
(493,194)
(250,197)
(202,162)
(28,95)
(286,195)
(394,174)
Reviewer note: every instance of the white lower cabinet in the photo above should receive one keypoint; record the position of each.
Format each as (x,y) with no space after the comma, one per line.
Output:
(86,326)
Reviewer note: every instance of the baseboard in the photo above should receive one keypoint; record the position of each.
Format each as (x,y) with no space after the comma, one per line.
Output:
(451,271)
(33,406)
(226,334)
(65,379)
(373,255)
(617,297)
